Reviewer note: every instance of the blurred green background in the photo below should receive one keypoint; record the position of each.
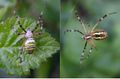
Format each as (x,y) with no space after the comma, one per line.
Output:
(32,9)
(105,61)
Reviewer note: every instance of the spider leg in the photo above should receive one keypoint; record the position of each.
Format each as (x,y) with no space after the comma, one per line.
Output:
(21,52)
(36,35)
(80,20)
(73,30)
(82,56)
(92,46)
(19,33)
(90,52)
(18,20)
(101,19)
(39,23)
(20,25)
(16,31)
(21,55)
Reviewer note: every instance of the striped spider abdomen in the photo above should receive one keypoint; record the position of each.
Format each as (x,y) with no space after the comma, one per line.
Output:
(30,45)
(96,35)
(99,35)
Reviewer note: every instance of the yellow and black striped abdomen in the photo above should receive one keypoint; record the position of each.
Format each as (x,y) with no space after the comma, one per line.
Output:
(99,35)
(29,45)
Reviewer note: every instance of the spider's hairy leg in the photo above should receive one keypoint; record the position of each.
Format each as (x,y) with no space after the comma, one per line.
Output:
(82,55)
(18,21)
(101,19)
(20,25)
(73,30)
(90,52)
(20,55)
(80,20)
(92,46)
(16,31)
(19,33)
(21,52)
(36,34)
(39,22)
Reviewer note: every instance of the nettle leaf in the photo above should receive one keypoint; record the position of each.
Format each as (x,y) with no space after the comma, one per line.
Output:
(11,43)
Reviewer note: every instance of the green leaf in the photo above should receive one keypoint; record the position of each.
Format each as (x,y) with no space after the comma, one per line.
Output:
(2,12)
(10,44)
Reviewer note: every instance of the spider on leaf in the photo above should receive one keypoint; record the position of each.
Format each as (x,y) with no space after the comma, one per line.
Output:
(29,44)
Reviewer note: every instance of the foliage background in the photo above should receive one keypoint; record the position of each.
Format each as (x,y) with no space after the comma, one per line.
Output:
(105,61)
(31,9)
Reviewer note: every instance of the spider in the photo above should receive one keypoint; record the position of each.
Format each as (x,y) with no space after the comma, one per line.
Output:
(29,44)
(91,35)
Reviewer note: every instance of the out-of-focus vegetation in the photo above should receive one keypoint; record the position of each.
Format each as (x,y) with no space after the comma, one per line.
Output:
(32,9)
(105,61)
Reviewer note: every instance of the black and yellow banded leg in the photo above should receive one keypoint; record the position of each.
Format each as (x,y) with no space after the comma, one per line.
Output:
(82,56)
(101,19)
(73,30)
